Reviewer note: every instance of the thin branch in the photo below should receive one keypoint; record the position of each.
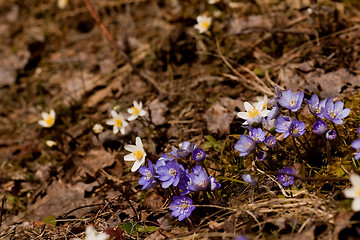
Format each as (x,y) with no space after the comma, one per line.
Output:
(136,70)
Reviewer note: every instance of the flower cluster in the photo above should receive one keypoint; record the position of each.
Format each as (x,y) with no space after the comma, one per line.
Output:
(169,173)
(118,121)
(48,119)
(266,126)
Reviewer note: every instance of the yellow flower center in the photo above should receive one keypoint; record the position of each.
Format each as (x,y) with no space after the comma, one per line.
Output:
(252,113)
(184,206)
(333,114)
(247,145)
(136,111)
(148,175)
(292,102)
(49,120)
(172,172)
(205,24)
(118,122)
(138,154)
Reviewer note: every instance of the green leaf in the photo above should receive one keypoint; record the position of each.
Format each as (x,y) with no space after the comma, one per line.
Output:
(50,220)
(128,227)
(210,139)
(143,229)
(206,145)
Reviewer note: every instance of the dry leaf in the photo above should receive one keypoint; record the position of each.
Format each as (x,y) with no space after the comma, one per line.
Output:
(60,199)
(221,114)
(96,160)
(239,24)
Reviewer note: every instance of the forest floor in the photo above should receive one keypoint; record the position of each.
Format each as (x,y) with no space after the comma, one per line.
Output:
(191,86)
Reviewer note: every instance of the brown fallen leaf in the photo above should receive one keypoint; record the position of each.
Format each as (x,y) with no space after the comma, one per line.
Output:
(61,198)
(219,116)
(95,160)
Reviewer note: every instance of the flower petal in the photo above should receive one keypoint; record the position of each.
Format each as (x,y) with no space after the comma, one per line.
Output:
(114,114)
(248,106)
(130,157)
(355,179)
(131,148)
(243,115)
(136,166)
(138,142)
(356,144)
(110,122)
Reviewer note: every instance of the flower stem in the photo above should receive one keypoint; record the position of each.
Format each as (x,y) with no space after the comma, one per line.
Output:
(297,149)
(338,133)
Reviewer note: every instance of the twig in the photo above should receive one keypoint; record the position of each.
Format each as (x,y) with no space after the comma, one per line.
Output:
(259,85)
(136,70)
(2,209)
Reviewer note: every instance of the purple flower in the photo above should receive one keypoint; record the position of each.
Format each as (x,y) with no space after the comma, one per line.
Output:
(268,122)
(274,101)
(356,145)
(184,182)
(181,207)
(291,100)
(163,160)
(331,134)
(169,174)
(214,185)
(282,125)
(198,154)
(286,177)
(147,180)
(245,144)
(199,180)
(297,128)
(270,141)
(257,134)
(335,112)
(249,179)
(320,127)
(315,106)
(240,237)
(261,156)
(186,149)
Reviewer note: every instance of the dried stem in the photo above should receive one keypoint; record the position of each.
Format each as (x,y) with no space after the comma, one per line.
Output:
(136,70)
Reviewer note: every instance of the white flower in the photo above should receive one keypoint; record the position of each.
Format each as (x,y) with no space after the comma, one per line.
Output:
(118,122)
(48,119)
(213,1)
(253,114)
(91,234)
(264,99)
(97,128)
(136,111)
(137,154)
(50,143)
(354,191)
(203,24)
(62,4)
